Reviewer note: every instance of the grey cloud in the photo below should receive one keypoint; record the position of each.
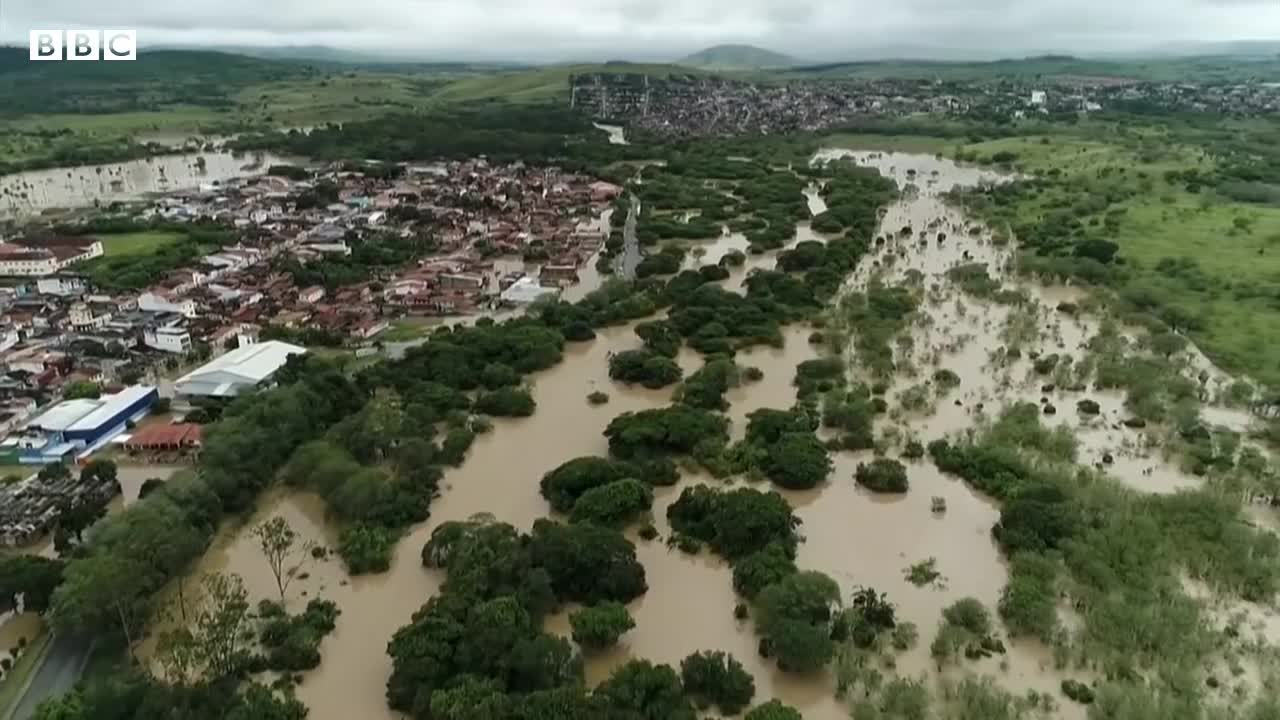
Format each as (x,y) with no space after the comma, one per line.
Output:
(657,29)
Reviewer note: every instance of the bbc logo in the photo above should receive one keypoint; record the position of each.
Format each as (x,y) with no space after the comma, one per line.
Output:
(84,44)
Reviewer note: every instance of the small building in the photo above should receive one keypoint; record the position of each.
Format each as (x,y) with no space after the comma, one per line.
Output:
(61,285)
(461,281)
(558,275)
(171,339)
(83,318)
(166,302)
(239,371)
(603,191)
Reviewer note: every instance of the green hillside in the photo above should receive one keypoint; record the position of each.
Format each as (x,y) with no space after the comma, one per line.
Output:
(737,57)
(541,84)
(1191,69)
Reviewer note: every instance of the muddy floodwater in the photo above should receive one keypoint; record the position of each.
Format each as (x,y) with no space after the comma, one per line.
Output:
(857,538)
(32,192)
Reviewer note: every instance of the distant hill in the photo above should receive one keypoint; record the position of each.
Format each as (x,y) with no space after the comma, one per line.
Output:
(737,57)
(159,78)
(312,53)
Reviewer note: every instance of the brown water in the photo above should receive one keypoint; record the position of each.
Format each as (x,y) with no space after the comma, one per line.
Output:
(857,538)
(16,627)
(34,191)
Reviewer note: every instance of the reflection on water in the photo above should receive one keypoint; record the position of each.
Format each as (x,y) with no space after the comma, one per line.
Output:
(83,186)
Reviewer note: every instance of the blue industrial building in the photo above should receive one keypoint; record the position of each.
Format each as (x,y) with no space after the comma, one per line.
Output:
(79,427)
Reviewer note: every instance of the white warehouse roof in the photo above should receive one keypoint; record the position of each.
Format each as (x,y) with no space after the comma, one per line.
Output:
(525,291)
(238,370)
(86,414)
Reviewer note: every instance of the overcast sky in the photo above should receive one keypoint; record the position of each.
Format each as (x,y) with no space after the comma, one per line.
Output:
(554,30)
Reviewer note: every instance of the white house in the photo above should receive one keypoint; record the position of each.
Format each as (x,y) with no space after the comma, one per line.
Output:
(62,286)
(82,318)
(172,339)
(151,301)
(9,337)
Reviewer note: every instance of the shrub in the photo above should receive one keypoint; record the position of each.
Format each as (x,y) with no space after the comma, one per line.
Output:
(1077,691)
(882,475)
(599,626)
(616,503)
(717,678)
(367,548)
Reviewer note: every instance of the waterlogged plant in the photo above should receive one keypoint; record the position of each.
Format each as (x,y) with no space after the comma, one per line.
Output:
(923,573)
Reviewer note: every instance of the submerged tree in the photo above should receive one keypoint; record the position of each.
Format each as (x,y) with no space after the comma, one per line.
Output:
(279,544)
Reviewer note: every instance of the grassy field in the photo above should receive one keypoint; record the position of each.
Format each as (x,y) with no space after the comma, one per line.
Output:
(408,328)
(538,85)
(1230,251)
(297,100)
(889,143)
(16,680)
(138,243)
(1233,247)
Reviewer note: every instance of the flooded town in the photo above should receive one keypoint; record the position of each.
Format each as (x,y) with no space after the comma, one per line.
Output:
(698,395)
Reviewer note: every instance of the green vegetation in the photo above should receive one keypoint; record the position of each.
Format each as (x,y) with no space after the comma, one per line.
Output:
(618,503)
(138,243)
(966,627)
(874,318)
(717,678)
(599,626)
(1120,555)
(706,388)
(882,475)
(794,619)
(1170,213)
(735,523)
(484,628)
(674,430)
(565,484)
(644,367)
(292,642)
(138,254)
(773,710)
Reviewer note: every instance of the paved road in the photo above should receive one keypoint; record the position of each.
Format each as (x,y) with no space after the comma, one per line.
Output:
(62,667)
(631,256)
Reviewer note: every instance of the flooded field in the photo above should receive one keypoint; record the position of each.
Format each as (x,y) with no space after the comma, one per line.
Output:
(35,191)
(857,538)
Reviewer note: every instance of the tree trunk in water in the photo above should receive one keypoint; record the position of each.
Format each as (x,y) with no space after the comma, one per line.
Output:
(128,636)
(182,598)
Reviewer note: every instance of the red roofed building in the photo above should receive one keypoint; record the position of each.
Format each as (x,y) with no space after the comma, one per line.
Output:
(46,256)
(178,436)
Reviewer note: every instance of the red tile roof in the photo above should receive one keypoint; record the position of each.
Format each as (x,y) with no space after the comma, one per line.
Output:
(166,436)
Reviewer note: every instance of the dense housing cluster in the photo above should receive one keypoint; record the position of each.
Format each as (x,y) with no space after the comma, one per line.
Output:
(694,105)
